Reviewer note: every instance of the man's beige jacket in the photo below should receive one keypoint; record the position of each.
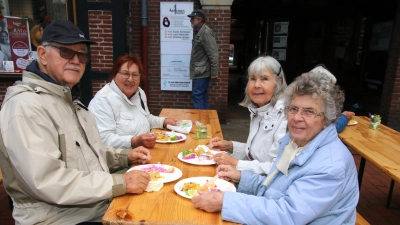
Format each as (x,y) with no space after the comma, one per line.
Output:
(54,165)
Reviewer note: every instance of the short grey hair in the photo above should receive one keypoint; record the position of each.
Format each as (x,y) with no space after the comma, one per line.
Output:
(44,44)
(324,72)
(257,68)
(317,86)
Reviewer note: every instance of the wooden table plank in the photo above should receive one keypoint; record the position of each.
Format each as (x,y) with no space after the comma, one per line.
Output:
(380,147)
(165,206)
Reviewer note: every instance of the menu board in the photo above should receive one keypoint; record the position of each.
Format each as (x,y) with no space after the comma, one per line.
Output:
(176,36)
(15,42)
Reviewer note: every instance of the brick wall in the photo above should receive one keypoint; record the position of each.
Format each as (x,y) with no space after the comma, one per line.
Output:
(157,99)
(390,102)
(101,55)
(100,30)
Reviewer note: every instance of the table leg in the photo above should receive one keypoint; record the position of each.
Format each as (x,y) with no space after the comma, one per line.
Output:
(389,199)
(361,172)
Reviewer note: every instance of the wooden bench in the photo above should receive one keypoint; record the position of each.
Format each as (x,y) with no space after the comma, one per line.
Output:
(360,220)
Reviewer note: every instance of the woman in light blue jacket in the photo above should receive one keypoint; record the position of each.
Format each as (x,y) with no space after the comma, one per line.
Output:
(313,179)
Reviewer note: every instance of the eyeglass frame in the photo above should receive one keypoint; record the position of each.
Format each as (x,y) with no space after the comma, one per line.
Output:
(287,108)
(87,56)
(127,75)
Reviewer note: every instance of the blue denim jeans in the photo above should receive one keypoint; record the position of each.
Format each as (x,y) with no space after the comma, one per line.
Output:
(200,93)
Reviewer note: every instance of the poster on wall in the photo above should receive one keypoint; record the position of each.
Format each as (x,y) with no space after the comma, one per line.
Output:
(176,36)
(281,28)
(15,42)
(279,54)
(280,41)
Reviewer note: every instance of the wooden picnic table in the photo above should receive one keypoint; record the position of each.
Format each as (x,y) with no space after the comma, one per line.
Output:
(166,206)
(380,147)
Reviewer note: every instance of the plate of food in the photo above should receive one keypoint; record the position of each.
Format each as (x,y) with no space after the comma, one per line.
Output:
(160,172)
(201,155)
(169,137)
(188,187)
(352,121)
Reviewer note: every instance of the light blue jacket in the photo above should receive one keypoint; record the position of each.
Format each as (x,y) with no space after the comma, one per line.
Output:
(321,188)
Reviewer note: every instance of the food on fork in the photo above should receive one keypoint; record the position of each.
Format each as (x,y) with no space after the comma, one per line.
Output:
(210,182)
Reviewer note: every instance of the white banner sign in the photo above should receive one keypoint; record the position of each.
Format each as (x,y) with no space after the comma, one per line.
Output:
(175,72)
(175,60)
(171,47)
(176,36)
(176,84)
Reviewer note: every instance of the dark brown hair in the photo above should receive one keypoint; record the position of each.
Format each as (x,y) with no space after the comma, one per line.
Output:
(131,59)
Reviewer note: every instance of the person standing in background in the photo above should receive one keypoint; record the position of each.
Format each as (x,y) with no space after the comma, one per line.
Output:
(203,59)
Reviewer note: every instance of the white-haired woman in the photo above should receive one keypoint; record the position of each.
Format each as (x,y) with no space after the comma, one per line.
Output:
(346,115)
(314,178)
(266,83)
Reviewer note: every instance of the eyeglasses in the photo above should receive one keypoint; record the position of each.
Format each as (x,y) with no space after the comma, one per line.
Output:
(306,113)
(126,75)
(68,53)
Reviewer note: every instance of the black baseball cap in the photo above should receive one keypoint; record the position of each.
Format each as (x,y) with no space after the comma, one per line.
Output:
(64,32)
(199,13)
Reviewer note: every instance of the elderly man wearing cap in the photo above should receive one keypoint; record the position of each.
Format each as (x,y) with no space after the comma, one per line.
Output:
(203,59)
(54,165)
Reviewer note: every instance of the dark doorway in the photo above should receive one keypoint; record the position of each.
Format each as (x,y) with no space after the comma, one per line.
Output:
(119,11)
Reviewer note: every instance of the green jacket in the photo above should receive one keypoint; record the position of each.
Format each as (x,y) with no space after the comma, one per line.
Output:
(55,167)
(204,56)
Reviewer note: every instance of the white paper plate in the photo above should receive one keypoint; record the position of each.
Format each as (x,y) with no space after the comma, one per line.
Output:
(168,177)
(222,185)
(197,161)
(352,123)
(171,134)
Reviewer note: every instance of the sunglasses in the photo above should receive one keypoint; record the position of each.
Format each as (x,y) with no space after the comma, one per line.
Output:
(68,53)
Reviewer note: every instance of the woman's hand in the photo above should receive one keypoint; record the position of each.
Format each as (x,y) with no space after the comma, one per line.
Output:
(220,144)
(146,140)
(139,155)
(225,159)
(348,114)
(136,181)
(208,201)
(229,173)
(171,121)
